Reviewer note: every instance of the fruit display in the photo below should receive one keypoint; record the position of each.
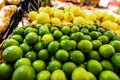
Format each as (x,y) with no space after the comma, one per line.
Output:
(74,15)
(47,52)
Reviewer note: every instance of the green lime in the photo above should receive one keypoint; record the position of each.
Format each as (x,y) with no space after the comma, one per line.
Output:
(39,65)
(85,31)
(27,25)
(85,46)
(31,38)
(97,25)
(92,76)
(38,46)
(12,53)
(106,51)
(87,37)
(102,30)
(19,31)
(92,28)
(77,36)
(74,29)
(53,58)
(62,55)
(24,72)
(94,67)
(25,47)
(10,42)
(32,55)
(44,30)
(94,55)
(107,65)
(30,29)
(57,34)
(94,35)
(109,34)
(44,75)
(65,30)
(108,75)
(82,66)
(116,45)
(103,39)
(58,75)
(54,65)
(43,55)
(53,47)
(96,44)
(64,37)
(17,38)
(5,71)
(38,26)
(22,61)
(68,68)
(52,29)
(74,44)
(39,38)
(77,57)
(116,38)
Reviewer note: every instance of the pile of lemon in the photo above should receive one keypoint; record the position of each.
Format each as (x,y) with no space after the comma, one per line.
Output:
(45,52)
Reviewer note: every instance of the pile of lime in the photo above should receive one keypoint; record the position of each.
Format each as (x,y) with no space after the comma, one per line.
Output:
(46,52)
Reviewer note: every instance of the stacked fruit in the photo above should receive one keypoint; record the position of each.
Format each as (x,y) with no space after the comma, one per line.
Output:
(74,15)
(46,52)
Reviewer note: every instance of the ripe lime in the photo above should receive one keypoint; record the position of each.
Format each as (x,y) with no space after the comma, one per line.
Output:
(17,38)
(44,30)
(106,51)
(31,38)
(30,29)
(57,34)
(92,28)
(64,37)
(94,35)
(74,44)
(116,45)
(116,38)
(92,76)
(38,46)
(96,44)
(52,29)
(108,75)
(68,68)
(10,42)
(39,65)
(85,31)
(5,71)
(107,65)
(24,72)
(32,55)
(94,55)
(19,31)
(54,65)
(77,57)
(43,55)
(22,61)
(25,47)
(12,53)
(62,55)
(65,30)
(85,46)
(74,29)
(109,34)
(102,30)
(103,39)
(94,67)
(44,75)
(87,37)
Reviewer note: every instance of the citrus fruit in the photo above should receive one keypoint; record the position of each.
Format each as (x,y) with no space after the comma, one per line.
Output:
(10,42)
(32,55)
(80,74)
(52,29)
(92,28)
(116,59)
(103,39)
(44,75)
(38,46)
(62,55)
(107,65)
(94,55)
(94,67)
(43,30)
(77,36)
(43,55)
(12,53)
(97,25)
(92,76)
(106,51)
(53,47)
(47,38)
(66,44)
(22,61)
(57,34)
(30,29)
(85,46)
(65,30)
(68,68)
(116,45)
(74,44)
(96,44)
(31,38)
(87,37)
(94,35)
(17,38)
(85,31)
(64,37)
(19,31)
(102,30)
(5,71)
(39,65)
(32,15)
(58,75)
(54,65)
(25,47)
(109,34)
(24,72)
(74,29)
(77,57)
(116,38)
(27,25)
(108,75)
